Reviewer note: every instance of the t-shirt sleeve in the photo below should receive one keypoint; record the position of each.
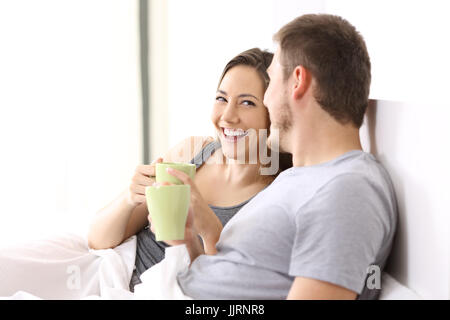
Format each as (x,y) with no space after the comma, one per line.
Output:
(339,233)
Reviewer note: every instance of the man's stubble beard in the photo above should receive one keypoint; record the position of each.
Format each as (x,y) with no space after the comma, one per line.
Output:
(283,124)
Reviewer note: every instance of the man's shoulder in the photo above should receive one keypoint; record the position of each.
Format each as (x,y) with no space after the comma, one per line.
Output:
(353,196)
(350,182)
(361,171)
(356,180)
(365,173)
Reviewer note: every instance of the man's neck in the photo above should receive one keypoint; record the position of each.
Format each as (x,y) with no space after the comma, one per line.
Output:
(324,144)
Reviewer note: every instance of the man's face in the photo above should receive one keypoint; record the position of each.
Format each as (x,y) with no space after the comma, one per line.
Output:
(277,102)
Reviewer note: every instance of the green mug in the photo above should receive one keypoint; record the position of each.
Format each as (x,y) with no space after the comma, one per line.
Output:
(163,176)
(168,207)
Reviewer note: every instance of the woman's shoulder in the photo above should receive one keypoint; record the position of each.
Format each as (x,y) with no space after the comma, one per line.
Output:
(187,148)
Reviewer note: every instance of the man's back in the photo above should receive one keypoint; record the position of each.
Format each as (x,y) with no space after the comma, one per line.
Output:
(328,222)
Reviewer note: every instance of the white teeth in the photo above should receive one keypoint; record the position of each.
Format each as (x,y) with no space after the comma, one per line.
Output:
(234,133)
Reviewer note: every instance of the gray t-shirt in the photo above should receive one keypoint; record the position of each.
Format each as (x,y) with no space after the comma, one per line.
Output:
(329,222)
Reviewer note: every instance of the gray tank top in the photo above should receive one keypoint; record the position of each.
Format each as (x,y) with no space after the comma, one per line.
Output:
(149,251)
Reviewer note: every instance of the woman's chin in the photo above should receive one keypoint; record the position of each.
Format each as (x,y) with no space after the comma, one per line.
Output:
(231,156)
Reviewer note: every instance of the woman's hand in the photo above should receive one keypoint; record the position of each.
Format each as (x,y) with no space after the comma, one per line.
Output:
(206,222)
(143,177)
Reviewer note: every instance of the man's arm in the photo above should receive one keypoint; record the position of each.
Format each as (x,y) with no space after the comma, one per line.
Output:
(312,289)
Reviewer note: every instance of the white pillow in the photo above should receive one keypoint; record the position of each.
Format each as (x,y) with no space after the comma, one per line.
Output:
(391,289)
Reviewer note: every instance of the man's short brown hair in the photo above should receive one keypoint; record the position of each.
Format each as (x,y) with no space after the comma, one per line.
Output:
(335,54)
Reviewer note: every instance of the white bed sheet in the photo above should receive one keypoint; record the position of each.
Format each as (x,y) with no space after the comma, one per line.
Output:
(64,267)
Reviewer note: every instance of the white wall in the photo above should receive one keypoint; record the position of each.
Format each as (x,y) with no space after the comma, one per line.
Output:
(408,125)
(407,42)
(69,112)
(203,36)
(158,65)
(406,138)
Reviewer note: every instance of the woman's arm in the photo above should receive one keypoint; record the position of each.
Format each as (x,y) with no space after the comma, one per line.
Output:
(211,237)
(108,227)
(122,218)
(194,247)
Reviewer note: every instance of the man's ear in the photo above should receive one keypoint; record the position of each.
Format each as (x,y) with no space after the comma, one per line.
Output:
(302,79)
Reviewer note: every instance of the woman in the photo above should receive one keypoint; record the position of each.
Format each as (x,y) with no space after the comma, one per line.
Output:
(222,186)
(63,267)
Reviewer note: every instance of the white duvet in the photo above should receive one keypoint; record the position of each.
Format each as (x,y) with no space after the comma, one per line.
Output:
(64,267)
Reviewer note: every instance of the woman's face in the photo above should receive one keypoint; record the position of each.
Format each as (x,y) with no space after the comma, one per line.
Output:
(239,113)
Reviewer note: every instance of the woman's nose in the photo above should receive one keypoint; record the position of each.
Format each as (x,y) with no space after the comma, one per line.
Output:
(230,114)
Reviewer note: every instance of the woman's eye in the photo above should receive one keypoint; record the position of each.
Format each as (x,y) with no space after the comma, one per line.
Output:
(220,99)
(248,103)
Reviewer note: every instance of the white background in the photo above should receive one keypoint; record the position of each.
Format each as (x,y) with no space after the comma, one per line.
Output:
(406,40)
(69,112)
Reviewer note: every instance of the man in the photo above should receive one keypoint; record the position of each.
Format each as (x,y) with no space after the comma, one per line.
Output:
(319,228)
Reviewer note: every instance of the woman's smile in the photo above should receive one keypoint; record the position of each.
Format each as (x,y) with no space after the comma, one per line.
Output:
(233,135)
